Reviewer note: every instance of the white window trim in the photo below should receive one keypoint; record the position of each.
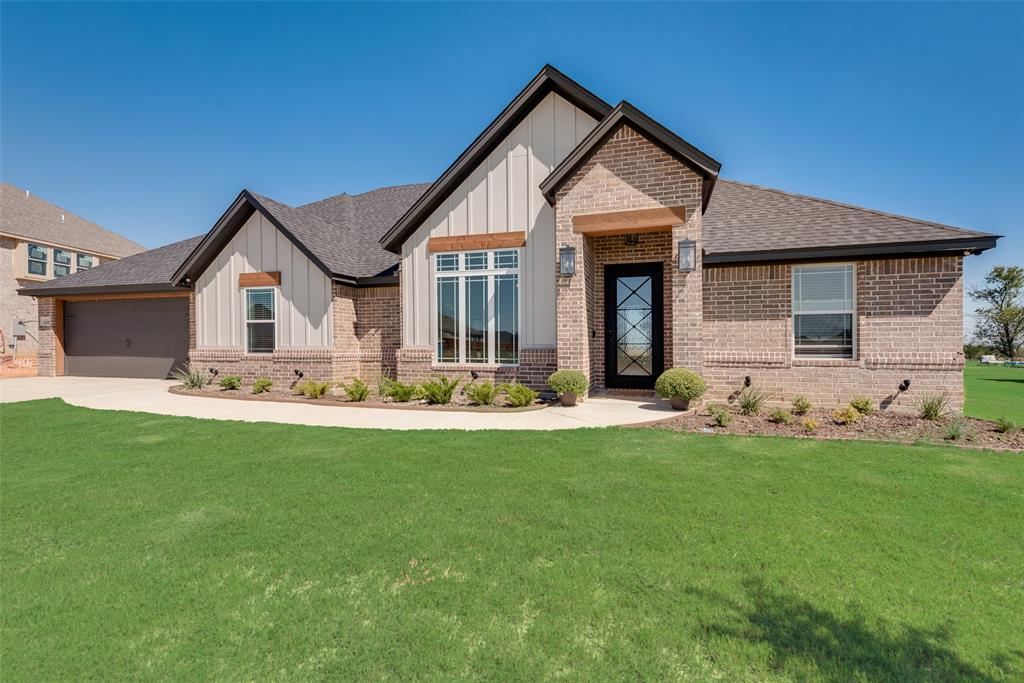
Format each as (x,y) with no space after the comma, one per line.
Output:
(460,274)
(246,320)
(793,314)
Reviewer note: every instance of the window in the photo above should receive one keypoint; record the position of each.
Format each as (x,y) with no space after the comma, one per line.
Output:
(85,261)
(61,262)
(477,307)
(260,320)
(36,259)
(823,311)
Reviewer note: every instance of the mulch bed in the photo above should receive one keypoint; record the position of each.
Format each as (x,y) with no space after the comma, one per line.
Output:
(460,402)
(877,426)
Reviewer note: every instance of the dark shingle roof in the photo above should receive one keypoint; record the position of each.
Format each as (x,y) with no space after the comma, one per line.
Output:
(149,271)
(33,218)
(749,218)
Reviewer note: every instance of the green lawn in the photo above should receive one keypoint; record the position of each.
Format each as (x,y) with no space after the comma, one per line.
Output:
(993,391)
(144,547)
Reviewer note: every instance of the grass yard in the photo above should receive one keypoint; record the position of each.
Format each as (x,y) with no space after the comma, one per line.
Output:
(145,547)
(993,391)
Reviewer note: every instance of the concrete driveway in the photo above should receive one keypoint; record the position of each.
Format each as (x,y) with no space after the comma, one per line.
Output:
(151,396)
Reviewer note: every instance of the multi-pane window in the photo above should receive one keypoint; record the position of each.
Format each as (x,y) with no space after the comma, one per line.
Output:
(260,320)
(85,261)
(36,259)
(477,306)
(61,262)
(823,311)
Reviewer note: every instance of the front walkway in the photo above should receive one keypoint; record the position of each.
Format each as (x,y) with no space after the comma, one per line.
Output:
(151,396)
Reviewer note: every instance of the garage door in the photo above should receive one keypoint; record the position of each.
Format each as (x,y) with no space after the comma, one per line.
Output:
(125,338)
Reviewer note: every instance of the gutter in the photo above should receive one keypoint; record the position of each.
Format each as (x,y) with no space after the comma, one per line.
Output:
(968,245)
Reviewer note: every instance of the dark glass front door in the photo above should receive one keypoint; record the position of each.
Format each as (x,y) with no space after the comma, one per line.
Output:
(633,355)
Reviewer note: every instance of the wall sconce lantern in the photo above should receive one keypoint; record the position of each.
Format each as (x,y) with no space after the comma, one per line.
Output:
(687,256)
(567,260)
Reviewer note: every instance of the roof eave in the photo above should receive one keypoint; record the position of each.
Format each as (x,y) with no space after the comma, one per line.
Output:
(966,245)
(547,80)
(57,292)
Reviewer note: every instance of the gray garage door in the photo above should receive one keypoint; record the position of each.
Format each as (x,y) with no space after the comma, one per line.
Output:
(125,338)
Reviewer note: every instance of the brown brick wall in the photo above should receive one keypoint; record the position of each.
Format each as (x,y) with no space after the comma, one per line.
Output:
(627,172)
(909,326)
(378,329)
(47,359)
(415,364)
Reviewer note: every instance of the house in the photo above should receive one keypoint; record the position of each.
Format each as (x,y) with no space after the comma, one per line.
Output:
(38,243)
(569,234)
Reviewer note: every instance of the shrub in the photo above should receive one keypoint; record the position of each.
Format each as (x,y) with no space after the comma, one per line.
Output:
(863,405)
(356,391)
(482,394)
(1005,425)
(751,401)
(312,389)
(933,406)
(439,391)
(957,429)
(402,393)
(845,416)
(191,377)
(680,383)
(262,384)
(780,416)
(384,386)
(810,425)
(801,406)
(568,381)
(520,395)
(720,414)
(230,382)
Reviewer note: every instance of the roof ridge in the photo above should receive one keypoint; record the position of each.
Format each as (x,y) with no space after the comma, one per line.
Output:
(855,207)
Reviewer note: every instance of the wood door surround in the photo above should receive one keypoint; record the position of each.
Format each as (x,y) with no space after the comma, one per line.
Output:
(628,222)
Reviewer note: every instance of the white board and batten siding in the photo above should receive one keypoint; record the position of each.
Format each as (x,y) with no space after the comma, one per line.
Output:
(502,195)
(303,299)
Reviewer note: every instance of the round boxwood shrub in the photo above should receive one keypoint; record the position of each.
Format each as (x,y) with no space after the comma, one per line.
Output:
(680,383)
(568,382)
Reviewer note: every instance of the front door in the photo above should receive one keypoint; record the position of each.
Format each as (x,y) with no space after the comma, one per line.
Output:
(633,351)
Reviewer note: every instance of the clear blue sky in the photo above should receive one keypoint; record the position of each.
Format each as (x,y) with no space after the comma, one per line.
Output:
(149,118)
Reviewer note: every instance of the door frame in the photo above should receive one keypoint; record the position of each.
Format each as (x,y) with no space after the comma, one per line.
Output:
(613,271)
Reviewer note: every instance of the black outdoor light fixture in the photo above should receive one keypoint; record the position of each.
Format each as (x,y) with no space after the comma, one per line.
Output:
(214,371)
(904,385)
(298,373)
(687,256)
(747,381)
(567,260)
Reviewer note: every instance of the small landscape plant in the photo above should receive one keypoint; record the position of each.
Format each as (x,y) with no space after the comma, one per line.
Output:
(312,389)
(384,386)
(680,383)
(261,385)
(751,401)
(357,390)
(439,391)
(845,416)
(863,405)
(191,377)
(482,393)
(780,416)
(933,406)
(520,395)
(956,430)
(402,393)
(810,425)
(230,382)
(1005,425)
(568,382)
(720,414)
(801,406)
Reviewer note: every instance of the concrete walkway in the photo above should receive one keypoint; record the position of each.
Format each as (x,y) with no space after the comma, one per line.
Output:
(151,396)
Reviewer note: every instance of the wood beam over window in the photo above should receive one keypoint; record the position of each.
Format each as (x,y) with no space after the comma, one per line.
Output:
(271,279)
(628,222)
(493,240)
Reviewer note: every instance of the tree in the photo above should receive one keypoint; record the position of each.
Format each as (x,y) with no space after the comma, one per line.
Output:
(1000,322)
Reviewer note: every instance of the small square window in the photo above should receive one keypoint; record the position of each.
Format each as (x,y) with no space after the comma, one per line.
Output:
(447,262)
(476,260)
(62,257)
(506,259)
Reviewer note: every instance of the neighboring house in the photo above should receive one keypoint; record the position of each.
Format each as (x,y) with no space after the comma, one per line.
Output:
(40,242)
(570,234)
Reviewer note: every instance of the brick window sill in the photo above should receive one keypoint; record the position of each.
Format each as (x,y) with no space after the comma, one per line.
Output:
(826,363)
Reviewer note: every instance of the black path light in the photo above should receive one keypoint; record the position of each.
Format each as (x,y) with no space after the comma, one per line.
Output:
(567,260)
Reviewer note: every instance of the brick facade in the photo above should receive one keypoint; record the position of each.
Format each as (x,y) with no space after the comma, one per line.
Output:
(416,363)
(909,326)
(47,349)
(627,172)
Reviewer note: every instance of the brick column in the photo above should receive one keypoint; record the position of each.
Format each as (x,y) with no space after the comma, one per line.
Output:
(687,298)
